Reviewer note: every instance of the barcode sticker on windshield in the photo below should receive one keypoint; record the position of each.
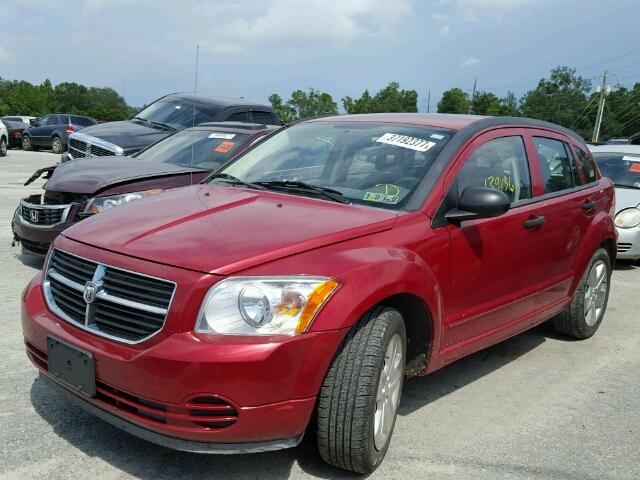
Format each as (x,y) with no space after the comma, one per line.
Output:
(405,141)
(224,136)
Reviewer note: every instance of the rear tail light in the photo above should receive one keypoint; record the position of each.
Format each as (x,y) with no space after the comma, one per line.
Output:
(16,133)
(69,128)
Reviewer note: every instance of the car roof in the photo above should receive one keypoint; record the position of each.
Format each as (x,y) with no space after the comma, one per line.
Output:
(613,148)
(216,99)
(440,120)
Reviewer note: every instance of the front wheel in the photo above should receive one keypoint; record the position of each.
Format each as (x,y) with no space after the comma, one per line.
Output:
(3,147)
(56,145)
(359,398)
(584,314)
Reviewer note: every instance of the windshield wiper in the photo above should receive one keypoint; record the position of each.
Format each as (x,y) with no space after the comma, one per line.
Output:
(164,126)
(236,181)
(329,193)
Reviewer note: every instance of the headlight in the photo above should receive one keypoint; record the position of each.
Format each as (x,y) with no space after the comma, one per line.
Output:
(628,218)
(264,305)
(100,204)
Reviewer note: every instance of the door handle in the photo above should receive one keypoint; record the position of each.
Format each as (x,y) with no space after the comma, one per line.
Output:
(534,223)
(589,205)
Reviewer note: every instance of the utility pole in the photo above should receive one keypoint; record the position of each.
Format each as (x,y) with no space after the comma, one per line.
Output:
(428,100)
(195,82)
(473,95)
(604,90)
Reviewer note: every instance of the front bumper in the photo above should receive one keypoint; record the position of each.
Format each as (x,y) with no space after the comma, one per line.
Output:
(37,238)
(149,389)
(629,243)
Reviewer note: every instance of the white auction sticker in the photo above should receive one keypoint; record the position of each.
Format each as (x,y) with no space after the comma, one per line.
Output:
(224,136)
(631,158)
(405,141)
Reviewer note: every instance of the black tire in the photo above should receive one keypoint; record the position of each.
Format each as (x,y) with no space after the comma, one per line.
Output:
(26,143)
(56,145)
(573,321)
(347,400)
(3,147)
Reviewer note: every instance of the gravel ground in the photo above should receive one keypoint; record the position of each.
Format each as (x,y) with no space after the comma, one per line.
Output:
(534,407)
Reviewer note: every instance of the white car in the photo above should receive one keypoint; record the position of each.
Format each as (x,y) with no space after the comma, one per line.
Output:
(621,163)
(28,119)
(4,139)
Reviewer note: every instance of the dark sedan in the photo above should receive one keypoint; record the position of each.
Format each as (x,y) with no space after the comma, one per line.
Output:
(52,131)
(15,129)
(84,187)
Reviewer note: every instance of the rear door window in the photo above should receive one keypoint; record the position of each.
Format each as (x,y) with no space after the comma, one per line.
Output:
(238,117)
(265,118)
(500,164)
(555,163)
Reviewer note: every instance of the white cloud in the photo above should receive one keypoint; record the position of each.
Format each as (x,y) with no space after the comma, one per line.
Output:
(470,62)
(440,17)
(444,30)
(296,24)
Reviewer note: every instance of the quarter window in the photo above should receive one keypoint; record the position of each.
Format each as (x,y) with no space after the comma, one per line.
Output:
(588,166)
(555,164)
(264,118)
(501,164)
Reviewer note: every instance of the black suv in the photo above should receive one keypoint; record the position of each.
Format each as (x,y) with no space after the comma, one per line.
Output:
(163,117)
(53,130)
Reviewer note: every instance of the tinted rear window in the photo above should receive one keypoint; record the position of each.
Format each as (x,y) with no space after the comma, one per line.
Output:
(82,121)
(266,118)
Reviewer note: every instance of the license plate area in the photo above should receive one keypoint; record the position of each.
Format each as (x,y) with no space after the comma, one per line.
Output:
(72,366)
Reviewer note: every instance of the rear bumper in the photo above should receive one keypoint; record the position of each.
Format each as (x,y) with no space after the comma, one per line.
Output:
(628,243)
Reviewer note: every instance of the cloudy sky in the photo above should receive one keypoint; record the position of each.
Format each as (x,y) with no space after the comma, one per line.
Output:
(252,48)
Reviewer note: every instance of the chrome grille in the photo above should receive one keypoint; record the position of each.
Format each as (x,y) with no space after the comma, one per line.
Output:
(123,305)
(43,214)
(77,148)
(97,151)
(624,247)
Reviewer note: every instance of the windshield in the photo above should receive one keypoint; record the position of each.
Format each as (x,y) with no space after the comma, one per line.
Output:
(622,168)
(377,164)
(202,149)
(178,113)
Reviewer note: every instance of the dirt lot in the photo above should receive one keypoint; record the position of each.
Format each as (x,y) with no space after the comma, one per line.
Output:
(534,407)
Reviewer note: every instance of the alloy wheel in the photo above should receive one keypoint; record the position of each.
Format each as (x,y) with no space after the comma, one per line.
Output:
(388,394)
(595,292)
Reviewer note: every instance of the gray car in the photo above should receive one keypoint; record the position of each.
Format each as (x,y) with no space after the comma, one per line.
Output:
(621,163)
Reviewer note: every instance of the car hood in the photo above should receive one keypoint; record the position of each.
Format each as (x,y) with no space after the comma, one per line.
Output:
(130,135)
(222,230)
(89,175)
(626,198)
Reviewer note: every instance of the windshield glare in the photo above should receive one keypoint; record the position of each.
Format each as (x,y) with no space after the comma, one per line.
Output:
(178,113)
(203,149)
(376,164)
(622,169)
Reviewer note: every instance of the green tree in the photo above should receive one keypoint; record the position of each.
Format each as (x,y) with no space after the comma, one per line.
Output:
(561,99)
(312,104)
(389,99)
(285,112)
(454,100)
(485,103)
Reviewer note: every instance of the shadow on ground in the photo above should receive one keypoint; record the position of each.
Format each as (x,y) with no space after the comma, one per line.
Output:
(148,461)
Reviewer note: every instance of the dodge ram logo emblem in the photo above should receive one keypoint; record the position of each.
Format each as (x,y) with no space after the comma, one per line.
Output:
(33,215)
(91,291)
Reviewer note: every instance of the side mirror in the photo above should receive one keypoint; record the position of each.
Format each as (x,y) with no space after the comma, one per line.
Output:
(479,202)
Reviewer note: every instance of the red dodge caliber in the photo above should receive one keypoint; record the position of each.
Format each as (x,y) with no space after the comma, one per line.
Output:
(315,272)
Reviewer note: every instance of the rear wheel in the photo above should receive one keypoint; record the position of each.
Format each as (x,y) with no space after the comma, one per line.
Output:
(56,145)
(26,143)
(3,147)
(359,399)
(584,314)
